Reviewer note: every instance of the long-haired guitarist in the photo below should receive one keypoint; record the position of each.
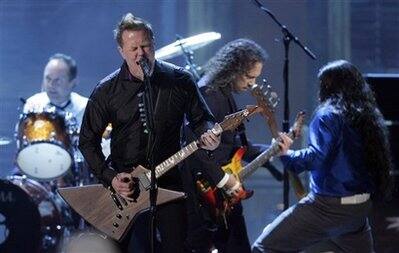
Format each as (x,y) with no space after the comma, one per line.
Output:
(349,162)
(233,69)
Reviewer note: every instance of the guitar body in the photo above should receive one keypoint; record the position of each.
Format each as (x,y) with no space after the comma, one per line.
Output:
(97,205)
(216,199)
(235,165)
(221,205)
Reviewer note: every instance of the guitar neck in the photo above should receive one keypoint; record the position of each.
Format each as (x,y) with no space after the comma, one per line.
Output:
(229,122)
(175,159)
(251,167)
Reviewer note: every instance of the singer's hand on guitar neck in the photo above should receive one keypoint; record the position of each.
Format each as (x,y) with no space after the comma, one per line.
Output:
(123,184)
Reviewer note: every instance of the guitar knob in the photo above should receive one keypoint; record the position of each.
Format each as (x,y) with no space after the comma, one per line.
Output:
(115,224)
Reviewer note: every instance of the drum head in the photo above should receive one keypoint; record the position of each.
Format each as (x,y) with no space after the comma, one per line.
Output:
(44,161)
(20,226)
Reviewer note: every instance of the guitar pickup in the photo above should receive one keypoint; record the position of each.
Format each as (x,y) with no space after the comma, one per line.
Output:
(116,201)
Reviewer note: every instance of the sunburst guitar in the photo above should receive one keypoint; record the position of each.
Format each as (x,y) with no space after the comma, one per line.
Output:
(219,202)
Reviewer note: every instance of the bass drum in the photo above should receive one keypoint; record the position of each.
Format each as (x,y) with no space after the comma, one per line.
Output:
(44,145)
(30,220)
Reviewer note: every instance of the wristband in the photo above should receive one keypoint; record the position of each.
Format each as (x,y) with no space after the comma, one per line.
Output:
(223,181)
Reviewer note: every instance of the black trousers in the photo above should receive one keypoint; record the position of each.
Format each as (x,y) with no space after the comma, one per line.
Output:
(171,230)
(228,236)
(314,219)
(234,237)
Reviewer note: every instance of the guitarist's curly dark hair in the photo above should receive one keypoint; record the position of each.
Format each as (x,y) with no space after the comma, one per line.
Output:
(233,60)
(342,85)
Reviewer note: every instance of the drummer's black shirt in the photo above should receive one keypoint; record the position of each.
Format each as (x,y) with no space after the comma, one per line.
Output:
(116,100)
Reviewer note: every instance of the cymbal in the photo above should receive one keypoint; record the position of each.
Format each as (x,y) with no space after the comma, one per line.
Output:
(190,43)
(4,140)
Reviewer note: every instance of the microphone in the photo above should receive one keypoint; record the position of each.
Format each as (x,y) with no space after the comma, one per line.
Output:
(145,66)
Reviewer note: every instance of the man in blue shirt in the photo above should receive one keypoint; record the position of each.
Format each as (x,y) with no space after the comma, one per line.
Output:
(349,161)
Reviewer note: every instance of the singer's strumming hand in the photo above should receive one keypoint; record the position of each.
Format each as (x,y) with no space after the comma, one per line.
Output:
(123,184)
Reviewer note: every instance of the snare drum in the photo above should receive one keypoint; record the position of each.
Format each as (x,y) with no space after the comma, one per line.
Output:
(30,219)
(44,145)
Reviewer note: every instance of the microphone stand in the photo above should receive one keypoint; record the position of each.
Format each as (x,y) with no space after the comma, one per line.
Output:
(149,111)
(287,38)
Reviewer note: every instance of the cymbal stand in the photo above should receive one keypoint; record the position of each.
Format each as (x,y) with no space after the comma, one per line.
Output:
(189,59)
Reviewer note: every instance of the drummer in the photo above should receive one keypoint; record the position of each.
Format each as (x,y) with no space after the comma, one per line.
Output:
(59,79)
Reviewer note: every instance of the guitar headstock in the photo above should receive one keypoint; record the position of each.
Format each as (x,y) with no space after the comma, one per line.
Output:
(266,98)
(296,129)
(232,121)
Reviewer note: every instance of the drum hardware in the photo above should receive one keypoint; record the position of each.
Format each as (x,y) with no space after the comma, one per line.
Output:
(185,47)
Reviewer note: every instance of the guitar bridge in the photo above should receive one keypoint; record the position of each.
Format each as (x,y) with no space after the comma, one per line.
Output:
(144,181)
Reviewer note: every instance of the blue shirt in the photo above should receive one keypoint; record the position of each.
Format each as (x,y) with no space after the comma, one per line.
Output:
(334,156)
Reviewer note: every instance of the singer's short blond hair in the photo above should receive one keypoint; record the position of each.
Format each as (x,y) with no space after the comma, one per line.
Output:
(130,22)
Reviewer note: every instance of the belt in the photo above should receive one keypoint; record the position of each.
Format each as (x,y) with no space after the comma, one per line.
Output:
(355,199)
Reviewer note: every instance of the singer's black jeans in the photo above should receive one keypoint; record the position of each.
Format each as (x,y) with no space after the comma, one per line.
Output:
(171,231)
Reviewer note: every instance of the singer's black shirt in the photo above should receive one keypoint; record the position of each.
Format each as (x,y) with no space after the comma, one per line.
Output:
(116,100)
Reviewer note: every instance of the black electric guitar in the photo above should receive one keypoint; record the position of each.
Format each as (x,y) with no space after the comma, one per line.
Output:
(112,214)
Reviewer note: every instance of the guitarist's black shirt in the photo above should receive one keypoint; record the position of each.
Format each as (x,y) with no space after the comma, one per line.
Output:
(116,100)
(221,103)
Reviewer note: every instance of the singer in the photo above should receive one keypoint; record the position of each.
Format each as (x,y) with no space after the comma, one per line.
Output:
(117,99)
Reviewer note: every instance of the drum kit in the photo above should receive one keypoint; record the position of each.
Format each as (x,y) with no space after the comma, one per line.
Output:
(47,158)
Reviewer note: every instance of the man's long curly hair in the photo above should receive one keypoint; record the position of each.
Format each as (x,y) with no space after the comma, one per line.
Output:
(342,84)
(232,61)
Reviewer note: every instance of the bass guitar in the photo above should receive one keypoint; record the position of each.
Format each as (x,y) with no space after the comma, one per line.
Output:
(212,196)
(262,96)
(217,200)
